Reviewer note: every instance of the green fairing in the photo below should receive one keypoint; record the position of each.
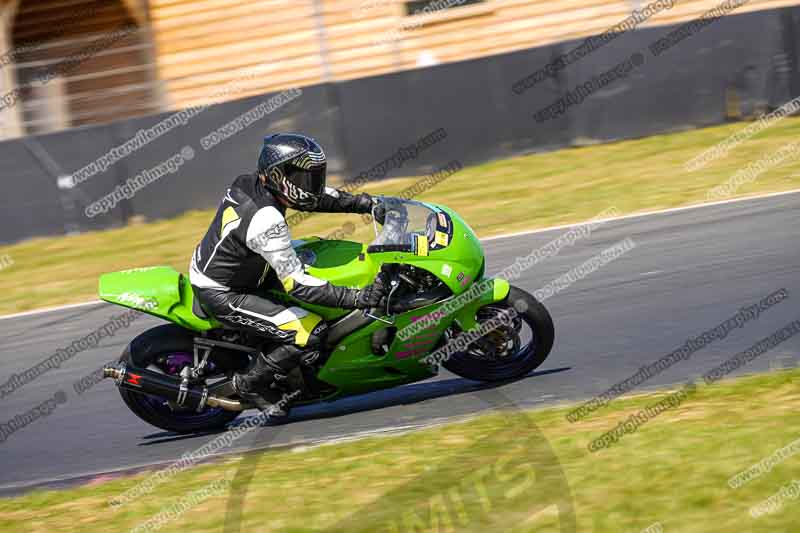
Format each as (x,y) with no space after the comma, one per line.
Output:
(352,367)
(158,291)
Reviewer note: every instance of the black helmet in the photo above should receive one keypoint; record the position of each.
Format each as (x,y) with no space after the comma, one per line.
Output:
(293,167)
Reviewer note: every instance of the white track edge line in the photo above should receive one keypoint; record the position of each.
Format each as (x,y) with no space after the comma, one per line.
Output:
(51,309)
(642,214)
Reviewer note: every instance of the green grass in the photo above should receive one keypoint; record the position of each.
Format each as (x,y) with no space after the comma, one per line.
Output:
(673,470)
(527,192)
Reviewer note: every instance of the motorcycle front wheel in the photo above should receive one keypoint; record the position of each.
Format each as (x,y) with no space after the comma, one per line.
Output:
(518,346)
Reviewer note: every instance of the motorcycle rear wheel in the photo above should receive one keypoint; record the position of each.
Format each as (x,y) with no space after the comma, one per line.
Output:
(166,349)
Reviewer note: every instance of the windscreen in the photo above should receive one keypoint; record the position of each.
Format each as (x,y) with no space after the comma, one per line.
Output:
(404,220)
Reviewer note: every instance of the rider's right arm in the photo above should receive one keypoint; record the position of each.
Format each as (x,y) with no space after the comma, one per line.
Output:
(268,235)
(338,201)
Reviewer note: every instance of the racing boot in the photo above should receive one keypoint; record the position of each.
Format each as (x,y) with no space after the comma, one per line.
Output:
(272,381)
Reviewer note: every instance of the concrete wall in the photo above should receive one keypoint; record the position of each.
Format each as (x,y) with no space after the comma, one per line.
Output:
(750,59)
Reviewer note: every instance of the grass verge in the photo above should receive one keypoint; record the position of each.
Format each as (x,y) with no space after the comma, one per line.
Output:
(522,193)
(487,474)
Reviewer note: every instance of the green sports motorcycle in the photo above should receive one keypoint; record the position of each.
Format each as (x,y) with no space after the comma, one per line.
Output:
(177,376)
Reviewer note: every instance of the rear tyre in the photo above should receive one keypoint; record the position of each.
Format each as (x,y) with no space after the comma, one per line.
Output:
(501,354)
(167,349)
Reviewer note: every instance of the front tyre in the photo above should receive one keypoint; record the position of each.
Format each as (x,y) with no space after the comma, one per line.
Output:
(513,349)
(168,349)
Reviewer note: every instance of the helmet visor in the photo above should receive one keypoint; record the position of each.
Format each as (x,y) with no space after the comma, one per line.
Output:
(309,185)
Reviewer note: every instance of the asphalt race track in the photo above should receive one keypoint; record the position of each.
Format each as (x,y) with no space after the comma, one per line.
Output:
(690,270)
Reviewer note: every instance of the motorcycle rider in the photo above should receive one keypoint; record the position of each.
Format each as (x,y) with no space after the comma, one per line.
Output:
(248,246)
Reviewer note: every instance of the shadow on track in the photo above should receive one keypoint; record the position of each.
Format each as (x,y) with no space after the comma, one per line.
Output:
(404,395)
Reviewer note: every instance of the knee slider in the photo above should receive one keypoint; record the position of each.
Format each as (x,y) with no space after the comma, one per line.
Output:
(317,336)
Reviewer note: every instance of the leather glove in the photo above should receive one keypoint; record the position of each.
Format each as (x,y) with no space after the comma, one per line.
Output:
(364,203)
(372,295)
